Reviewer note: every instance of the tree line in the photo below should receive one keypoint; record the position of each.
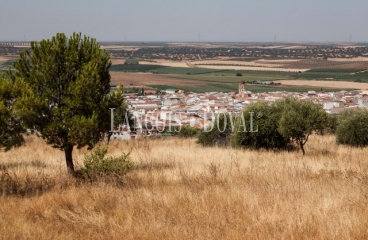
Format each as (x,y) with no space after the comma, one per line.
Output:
(285,124)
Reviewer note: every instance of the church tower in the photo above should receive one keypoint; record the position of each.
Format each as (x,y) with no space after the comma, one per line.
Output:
(241,89)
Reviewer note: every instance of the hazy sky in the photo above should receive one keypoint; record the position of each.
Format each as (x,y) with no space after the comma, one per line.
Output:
(185,20)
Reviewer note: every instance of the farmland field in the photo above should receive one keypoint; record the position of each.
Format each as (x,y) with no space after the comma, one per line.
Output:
(337,70)
(220,74)
(217,80)
(326,84)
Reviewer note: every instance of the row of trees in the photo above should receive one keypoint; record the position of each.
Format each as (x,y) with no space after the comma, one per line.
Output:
(284,125)
(61,88)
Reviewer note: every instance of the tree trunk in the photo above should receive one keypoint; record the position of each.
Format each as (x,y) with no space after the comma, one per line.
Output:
(68,150)
(302,147)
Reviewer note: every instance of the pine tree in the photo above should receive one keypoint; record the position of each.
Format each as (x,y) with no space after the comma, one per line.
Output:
(11,128)
(70,99)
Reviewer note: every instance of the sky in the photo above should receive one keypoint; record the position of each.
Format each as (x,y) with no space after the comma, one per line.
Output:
(187,20)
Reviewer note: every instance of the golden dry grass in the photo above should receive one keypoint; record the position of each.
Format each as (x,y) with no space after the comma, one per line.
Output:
(180,190)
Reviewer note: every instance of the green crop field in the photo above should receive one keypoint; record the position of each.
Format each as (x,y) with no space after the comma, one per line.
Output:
(357,77)
(133,68)
(230,77)
(8,63)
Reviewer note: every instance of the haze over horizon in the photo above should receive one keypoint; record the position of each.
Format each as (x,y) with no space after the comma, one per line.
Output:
(187,21)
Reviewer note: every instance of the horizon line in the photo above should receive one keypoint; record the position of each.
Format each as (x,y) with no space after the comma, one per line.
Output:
(207,42)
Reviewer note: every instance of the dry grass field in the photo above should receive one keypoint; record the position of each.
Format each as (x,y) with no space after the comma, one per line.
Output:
(329,84)
(180,190)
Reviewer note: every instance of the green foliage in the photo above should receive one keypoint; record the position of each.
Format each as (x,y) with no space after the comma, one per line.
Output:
(69,99)
(219,133)
(133,61)
(332,122)
(121,114)
(352,128)
(284,124)
(11,128)
(188,131)
(257,127)
(134,67)
(97,165)
(299,119)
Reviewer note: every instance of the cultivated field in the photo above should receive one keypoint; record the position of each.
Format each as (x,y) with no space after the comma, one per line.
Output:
(251,68)
(180,190)
(145,79)
(328,84)
(221,81)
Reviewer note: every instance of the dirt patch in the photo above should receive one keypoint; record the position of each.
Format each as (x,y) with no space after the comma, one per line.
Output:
(116,61)
(145,79)
(165,63)
(4,59)
(330,84)
(349,59)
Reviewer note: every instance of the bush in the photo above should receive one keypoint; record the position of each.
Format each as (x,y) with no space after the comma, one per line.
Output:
(188,131)
(258,127)
(96,164)
(219,134)
(352,128)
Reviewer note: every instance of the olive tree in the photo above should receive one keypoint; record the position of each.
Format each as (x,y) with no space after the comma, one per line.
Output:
(257,127)
(300,118)
(352,128)
(70,91)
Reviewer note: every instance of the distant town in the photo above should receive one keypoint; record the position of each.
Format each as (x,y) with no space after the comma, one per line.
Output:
(152,112)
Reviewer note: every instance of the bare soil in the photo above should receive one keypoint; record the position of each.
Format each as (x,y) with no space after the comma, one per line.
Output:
(144,79)
(331,84)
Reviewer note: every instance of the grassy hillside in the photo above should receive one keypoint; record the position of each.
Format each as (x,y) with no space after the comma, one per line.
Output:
(180,190)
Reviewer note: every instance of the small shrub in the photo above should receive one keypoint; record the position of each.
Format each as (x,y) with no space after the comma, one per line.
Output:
(97,165)
(352,128)
(188,131)
(219,133)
